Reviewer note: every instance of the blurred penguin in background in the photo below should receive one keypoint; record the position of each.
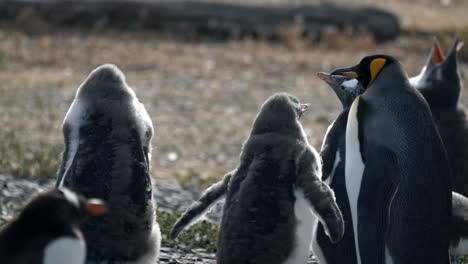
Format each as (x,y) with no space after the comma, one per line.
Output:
(47,230)
(441,86)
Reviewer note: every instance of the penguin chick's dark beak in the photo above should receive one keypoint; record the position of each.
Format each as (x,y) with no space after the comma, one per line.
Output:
(95,207)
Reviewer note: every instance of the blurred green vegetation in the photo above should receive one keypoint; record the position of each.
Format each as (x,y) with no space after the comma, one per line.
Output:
(201,235)
(460,260)
(20,158)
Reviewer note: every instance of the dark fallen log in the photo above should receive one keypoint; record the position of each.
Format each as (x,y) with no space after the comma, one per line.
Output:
(207,18)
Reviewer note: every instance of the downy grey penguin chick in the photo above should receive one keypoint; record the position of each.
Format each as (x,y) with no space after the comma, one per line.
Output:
(272,195)
(47,230)
(107,155)
(440,84)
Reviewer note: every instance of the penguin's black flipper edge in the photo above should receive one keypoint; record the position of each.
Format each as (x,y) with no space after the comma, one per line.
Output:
(378,187)
(198,208)
(320,196)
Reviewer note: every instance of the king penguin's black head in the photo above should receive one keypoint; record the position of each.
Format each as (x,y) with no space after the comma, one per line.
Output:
(60,205)
(367,70)
(280,113)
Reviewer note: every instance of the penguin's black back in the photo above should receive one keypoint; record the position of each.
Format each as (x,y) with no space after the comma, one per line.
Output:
(404,155)
(258,219)
(442,88)
(452,124)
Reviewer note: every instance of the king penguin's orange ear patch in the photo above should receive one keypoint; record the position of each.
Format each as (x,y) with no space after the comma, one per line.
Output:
(437,53)
(375,67)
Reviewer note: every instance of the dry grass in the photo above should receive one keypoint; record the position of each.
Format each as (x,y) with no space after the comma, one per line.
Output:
(202,96)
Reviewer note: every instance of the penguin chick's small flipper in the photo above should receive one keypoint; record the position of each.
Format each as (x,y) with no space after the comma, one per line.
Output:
(320,196)
(198,208)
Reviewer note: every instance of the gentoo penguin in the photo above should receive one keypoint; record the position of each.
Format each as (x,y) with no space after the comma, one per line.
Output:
(333,173)
(459,225)
(395,169)
(272,195)
(47,230)
(440,84)
(107,155)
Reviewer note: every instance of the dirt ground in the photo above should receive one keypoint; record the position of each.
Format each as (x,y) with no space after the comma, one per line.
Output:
(201,95)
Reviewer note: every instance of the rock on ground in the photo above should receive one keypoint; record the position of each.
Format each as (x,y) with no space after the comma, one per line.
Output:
(14,193)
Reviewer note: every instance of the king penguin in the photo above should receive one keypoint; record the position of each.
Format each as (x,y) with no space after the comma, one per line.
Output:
(396,169)
(107,155)
(47,230)
(333,170)
(333,155)
(273,193)
(440,84)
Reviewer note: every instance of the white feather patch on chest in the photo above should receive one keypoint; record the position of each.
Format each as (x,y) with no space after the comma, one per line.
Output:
(143,120)
(337,161)
(316,248)
(73,118)
(460,249)
(305,219)
(388,256)
(325,138)
(65,250)
(354,168)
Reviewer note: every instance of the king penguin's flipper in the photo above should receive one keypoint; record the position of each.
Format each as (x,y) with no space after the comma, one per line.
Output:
(198,208)
(379,185)
(320,196)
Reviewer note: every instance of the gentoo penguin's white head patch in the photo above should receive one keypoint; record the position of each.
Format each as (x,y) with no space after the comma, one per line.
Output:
(71,197)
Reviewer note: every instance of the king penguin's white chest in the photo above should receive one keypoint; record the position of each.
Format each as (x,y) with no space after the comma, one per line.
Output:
(303,229)
(354,168)
(65,250)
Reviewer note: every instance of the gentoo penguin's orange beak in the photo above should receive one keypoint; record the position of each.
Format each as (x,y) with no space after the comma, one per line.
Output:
(437,53)
(95,207)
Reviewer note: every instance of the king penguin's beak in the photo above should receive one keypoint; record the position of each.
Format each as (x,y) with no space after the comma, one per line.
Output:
(325,77)
(95,207)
